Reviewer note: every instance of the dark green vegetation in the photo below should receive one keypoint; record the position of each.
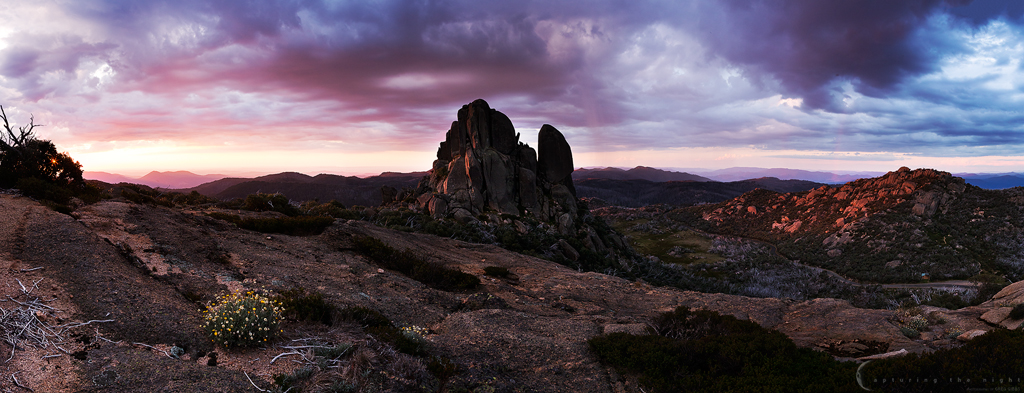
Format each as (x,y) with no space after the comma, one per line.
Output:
(701,351)
(1017,312)
(37,169)
(497,271)
(989,362)
(295,226)
(408,263)
(149,196)
(302,306)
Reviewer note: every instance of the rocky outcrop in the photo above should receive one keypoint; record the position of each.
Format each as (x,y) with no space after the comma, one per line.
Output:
(482,167)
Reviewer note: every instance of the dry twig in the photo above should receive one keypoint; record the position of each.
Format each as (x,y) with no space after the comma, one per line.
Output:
(18,384)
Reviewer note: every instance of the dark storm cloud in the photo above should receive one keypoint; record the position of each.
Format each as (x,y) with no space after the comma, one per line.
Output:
(626,74)
(808,46)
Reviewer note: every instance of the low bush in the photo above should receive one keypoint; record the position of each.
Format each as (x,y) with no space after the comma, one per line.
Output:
(407,340)
(701,351)
(497,271)
(290,382)
(406,262)
(367,317)
(241,319)
(303,306)
(294,226)
(989,362)
(1017,312)
(261,202)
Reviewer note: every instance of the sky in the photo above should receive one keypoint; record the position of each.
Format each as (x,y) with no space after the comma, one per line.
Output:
(357,87)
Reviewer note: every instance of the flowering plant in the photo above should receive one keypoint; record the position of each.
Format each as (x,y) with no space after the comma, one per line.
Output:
(243,318)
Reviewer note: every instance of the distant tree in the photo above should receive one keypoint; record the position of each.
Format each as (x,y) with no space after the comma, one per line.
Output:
(27,159)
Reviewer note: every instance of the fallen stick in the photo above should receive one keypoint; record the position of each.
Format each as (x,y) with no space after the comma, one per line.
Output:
(283,354)
(18,384)
(158,349)
(253,383)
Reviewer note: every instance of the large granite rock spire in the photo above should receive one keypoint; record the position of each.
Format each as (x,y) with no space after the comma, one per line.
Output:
(482,167)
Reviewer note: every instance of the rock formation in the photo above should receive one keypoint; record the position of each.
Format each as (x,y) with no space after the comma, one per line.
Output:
(482,166)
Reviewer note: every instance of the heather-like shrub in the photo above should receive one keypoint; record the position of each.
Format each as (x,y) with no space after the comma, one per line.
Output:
(261,202)
(496,271)
(991,362)
(295,226)
(243,318)
(304,306)
(701,351)
(1017,312)
(411,265)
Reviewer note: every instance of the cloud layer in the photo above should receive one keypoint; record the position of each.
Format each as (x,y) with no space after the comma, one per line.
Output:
(926,77)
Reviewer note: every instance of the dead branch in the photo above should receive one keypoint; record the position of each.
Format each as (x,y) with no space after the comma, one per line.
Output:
(253,383)
(18,384)
(13,141)
(158,349)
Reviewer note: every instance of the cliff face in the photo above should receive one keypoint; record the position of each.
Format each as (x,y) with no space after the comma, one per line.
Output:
(482,166)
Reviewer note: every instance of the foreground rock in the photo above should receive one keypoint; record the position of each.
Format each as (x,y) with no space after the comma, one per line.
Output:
(149,268)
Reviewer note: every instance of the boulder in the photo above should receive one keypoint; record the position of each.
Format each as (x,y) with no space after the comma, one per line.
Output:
(481,165)
(568,251)
(438,207)
(970,335)
(503,135)
(554,157)
(388,194)
(478,124)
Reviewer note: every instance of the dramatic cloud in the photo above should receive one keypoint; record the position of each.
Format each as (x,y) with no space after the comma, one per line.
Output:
(925,77)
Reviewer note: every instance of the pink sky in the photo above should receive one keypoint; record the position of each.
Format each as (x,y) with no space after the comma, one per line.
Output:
(243,87)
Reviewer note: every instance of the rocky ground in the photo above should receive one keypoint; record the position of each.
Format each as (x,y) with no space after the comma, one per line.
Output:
(116,287)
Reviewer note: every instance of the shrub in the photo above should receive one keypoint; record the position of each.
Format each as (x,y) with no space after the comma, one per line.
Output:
(408,340)
(289,382)
(294,226)
(261,202)
(301,306)
(910,332)
(241,319)
(497,271)
(989,362)
(1017,312)
(409,264)
(952,332)
(330,209)
(367,317)
(714,353)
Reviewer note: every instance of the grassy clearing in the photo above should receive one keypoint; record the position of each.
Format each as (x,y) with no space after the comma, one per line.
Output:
(680,247)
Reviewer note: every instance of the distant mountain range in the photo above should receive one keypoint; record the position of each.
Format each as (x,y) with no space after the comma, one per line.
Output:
(156,179)
(990,181)
(638,173)
(625,187)
(349,190)
(641,192)
(993,181)
(744,173)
